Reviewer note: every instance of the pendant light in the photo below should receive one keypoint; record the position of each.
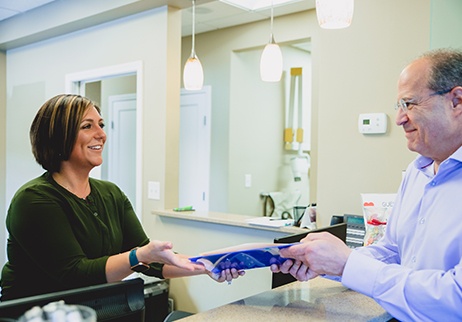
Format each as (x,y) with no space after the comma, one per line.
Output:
(271,59)
(193,75)
(334,14)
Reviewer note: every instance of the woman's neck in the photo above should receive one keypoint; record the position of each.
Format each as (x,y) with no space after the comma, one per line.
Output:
(75,183)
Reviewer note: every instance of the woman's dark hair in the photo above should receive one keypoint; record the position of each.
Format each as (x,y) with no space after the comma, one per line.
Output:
(55,127)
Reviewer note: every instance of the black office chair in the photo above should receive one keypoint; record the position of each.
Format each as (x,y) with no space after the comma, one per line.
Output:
(338,230)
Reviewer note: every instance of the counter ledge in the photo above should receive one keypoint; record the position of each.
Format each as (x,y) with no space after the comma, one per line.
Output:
(224,219)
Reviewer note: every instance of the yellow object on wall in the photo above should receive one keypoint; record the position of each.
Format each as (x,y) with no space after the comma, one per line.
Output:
(294,116)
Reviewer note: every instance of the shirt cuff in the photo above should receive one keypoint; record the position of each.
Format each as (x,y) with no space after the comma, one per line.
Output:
(360,273)
(156,270)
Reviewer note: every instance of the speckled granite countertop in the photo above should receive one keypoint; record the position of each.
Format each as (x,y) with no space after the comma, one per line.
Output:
(224,219)
(316,300)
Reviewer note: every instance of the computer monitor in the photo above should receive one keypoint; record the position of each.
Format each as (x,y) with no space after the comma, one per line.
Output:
(116,302)
(338,230)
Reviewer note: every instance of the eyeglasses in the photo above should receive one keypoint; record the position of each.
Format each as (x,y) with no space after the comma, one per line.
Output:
(406,106)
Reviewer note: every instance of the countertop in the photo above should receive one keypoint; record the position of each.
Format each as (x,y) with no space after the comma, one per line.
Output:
(319,299)
(224,219)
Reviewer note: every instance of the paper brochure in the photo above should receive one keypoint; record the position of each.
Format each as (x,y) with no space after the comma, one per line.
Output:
(270,222)
(242,257)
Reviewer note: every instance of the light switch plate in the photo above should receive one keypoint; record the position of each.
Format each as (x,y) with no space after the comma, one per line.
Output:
(154,190)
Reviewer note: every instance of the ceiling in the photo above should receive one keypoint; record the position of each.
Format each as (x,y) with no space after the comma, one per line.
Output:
(210,16)
(9,8)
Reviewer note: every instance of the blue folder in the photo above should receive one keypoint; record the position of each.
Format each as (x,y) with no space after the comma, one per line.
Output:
(242,259)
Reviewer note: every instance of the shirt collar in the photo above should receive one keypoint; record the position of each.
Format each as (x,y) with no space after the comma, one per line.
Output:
(423,162)
(457,155)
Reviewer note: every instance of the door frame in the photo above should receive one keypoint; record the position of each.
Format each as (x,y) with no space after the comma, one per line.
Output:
(73,82)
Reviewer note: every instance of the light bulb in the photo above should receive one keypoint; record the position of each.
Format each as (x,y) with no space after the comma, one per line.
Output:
(271,63)
(193,75)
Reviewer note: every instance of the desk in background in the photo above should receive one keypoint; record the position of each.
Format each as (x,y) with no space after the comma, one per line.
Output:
(316,300)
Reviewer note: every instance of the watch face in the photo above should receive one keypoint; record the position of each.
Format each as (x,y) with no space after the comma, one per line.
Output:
(140,267)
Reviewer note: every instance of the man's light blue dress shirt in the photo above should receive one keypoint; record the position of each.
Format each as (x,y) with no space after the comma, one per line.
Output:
(415,271)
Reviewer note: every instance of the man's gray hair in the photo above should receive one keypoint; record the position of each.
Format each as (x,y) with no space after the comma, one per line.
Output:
(446,69)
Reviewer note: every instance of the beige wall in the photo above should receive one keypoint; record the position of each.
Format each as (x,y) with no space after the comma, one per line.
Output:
(354,71)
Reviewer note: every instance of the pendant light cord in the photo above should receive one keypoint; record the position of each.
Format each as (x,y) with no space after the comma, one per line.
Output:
(271,17)
(193,51)
(271,25)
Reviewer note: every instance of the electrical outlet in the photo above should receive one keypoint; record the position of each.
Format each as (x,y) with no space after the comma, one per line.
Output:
(154,190)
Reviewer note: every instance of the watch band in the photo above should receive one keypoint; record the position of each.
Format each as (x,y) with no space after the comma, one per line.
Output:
(132,257)
(135,264)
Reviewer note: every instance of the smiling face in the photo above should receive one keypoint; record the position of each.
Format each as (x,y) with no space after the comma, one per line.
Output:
(430,125)
(88,148)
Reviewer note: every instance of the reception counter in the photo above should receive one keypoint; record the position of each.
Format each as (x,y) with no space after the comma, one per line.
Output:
(316,300)
(195,232)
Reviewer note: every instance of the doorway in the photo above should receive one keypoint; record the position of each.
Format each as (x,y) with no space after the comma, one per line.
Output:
(194,164)
(121,130)
(76,83)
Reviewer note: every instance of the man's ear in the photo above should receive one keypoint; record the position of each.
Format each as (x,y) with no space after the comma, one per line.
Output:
(457,97)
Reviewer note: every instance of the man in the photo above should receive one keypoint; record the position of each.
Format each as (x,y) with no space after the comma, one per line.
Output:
(414,272)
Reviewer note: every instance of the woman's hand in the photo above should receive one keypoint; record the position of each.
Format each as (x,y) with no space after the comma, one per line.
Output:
(227,274)
(161,252)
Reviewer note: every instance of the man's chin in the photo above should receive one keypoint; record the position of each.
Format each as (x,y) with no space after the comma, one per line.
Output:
(412,146)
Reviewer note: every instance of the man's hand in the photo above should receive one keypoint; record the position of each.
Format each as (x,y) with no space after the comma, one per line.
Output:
(295,268)
(318,253)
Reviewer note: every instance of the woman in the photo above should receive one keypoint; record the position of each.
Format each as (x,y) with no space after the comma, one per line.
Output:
(67,230)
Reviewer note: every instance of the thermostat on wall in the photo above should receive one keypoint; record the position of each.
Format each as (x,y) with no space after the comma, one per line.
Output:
(372,123)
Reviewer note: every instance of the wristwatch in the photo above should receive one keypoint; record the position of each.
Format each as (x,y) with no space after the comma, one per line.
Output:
(135,264)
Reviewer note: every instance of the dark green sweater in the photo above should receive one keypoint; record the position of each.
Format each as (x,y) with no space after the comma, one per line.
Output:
(58,241)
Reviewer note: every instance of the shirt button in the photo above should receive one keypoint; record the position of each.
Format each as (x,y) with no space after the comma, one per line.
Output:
(433,183)
(95,214)
(413,259)
(422,220)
